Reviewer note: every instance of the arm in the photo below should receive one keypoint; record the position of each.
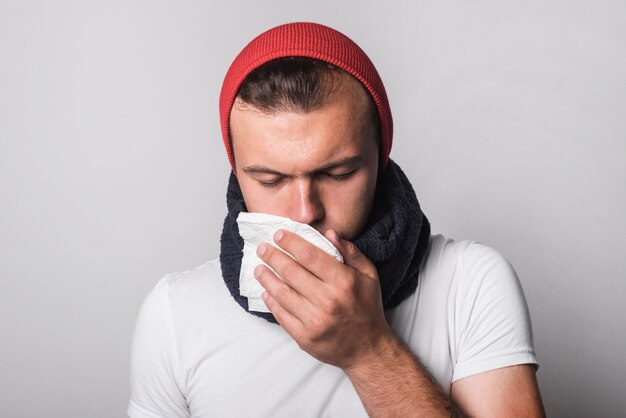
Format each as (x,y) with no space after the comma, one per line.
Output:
(507,392)
(334,312)
(394,383)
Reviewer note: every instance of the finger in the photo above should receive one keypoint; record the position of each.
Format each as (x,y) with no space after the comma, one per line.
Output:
(289,322)
(317,261)
(291,271)
(352,256)
(287,297)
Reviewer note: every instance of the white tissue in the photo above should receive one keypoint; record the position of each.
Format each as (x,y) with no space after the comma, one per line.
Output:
(257,228)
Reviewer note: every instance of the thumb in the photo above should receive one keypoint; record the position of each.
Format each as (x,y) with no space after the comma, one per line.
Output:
(352,256)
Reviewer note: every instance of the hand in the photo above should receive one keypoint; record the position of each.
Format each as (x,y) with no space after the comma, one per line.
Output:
(332,310)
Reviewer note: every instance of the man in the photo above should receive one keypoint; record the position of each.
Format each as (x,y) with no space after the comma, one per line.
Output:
(408,325)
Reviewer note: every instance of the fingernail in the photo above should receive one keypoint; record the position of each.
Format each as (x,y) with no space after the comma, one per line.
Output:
(278,235)
(258,270)
(261,250)
(264,295)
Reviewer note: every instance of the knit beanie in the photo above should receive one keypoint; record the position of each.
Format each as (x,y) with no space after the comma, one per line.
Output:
(311,40)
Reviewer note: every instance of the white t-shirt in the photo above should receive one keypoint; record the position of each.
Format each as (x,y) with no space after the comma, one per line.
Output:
(197,353)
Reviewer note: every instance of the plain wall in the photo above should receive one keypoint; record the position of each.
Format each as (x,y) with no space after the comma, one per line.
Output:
(510,120)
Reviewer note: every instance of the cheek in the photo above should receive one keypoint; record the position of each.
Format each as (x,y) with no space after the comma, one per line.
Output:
(346,196)
(253,195)
(348,205)
(265,200)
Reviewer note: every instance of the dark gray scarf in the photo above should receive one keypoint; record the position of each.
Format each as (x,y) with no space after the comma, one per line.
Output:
(395,238)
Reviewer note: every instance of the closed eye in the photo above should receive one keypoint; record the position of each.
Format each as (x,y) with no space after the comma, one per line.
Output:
(270,184)
(333,177)
(339,177)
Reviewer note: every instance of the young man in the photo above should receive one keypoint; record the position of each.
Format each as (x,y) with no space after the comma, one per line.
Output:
(408,325)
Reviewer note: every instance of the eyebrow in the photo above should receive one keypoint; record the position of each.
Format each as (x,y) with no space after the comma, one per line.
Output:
(258,169)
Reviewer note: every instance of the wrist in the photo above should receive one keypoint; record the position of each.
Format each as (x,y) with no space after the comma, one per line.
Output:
(378,352)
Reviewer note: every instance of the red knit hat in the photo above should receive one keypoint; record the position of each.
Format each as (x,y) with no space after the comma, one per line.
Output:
(314,41)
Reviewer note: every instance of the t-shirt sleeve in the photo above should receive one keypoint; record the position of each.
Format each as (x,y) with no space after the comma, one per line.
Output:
(155,388)
(494,328)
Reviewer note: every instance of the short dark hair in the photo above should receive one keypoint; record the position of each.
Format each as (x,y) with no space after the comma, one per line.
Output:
(295,84)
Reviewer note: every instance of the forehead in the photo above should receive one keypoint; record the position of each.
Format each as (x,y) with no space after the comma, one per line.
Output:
(341,127)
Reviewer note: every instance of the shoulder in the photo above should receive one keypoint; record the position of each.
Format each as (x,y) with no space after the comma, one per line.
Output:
(468,313)
(176,295)
(443,250)
(192,302)
(463,265)
(182,291)
(442,282)
(469,276)
(472,272)
(158,380)
(487,315)
(444,254)
(189,281)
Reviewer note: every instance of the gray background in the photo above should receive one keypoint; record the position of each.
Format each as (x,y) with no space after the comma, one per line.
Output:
(510,120)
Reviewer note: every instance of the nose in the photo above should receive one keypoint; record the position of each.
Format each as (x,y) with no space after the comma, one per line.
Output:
(306,204)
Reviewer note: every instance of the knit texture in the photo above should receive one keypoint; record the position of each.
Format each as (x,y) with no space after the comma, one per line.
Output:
(395,239)
(314,41)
